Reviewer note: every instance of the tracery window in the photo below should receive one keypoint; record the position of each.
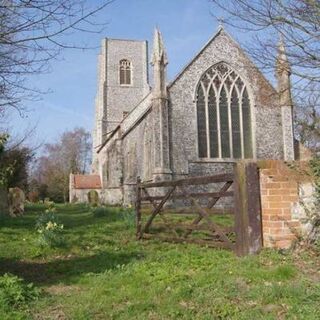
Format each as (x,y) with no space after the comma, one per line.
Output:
(223,115)
(125,72)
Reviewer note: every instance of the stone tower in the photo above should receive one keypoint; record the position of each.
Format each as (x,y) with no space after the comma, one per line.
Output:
(159,62)
(283,72)
(122,83)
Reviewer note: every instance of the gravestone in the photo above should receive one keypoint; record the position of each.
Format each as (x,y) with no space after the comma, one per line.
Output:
(16,199)
(93,197)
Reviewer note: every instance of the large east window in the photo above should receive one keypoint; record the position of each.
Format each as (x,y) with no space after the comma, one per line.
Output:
(125,72)
(223,115)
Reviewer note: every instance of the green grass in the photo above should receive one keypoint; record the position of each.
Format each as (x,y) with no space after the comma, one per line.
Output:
(104,273)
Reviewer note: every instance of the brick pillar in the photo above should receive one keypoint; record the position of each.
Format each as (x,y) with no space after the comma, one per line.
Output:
(279,195)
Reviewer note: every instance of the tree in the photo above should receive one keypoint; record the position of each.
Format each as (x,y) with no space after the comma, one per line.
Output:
(19,159)
(307,120)
(297,21)
(72,153)
(32,33)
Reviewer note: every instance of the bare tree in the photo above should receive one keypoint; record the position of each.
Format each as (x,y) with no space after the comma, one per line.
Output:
(72,153)
(297,21)
(32,33)
(307,119)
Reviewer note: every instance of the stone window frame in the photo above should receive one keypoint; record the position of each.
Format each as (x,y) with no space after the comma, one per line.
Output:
(251,112)
(130,69)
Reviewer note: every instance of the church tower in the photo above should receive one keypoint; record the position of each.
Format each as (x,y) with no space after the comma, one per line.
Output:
(283,73)
(122,83)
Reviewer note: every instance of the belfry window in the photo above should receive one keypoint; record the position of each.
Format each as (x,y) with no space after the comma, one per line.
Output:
(125,72)
(223,115)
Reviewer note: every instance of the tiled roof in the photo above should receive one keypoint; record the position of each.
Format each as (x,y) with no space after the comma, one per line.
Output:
(87,181)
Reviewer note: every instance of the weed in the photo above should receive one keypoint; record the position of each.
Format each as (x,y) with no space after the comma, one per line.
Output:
(14,292)
(50,230)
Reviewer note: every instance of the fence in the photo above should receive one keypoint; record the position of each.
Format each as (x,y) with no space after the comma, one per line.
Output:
(199,221)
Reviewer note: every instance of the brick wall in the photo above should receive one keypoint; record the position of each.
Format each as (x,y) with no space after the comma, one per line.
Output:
(280,197)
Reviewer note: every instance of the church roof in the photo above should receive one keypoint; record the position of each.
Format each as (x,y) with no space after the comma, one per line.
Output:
(86,181)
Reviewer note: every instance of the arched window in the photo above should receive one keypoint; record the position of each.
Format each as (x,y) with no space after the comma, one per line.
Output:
(223,115)
(125,72)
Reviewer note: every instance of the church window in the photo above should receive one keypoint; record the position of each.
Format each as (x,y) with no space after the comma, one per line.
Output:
(223,115)
(125,72)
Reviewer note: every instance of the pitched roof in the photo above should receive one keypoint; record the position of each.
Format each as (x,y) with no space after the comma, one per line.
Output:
(82,181)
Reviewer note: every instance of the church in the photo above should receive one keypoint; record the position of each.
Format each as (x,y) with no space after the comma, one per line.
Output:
(218,110)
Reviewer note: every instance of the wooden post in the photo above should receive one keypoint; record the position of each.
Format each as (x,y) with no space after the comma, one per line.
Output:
(247,208)
(138,207)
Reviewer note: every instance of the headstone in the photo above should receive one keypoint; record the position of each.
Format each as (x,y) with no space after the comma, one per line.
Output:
(16,199)
(93,197)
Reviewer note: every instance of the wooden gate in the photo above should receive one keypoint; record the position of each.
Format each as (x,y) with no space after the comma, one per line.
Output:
(198,219)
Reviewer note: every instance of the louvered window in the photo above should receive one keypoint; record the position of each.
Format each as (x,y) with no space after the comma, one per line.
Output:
(125,72)
(223,115)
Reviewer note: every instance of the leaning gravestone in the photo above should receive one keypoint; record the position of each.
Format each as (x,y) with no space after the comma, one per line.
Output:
(4,209)
(16,201)
(93,197)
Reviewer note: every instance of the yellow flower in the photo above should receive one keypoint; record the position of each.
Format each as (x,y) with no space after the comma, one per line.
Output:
(49,225)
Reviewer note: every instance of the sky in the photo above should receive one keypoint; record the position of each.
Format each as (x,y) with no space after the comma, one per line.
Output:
(186,26)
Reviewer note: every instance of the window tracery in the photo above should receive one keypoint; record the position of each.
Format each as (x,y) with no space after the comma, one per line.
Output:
(223,115)
(125,72)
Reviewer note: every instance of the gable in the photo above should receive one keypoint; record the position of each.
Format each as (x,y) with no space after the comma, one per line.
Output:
(223,48)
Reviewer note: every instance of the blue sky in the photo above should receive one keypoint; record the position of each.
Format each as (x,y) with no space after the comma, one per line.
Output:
(186,26)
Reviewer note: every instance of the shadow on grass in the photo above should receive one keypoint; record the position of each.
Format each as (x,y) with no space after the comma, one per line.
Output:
(67,269)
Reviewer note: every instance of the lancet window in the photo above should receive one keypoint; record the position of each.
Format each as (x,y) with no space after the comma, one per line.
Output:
(223,115)
(125,72)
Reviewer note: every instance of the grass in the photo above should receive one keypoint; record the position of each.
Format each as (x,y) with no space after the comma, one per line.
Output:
(104,273)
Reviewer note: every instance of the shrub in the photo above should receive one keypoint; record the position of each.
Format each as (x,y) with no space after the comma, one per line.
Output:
(314,215)
(49,229)
(33,196)
(14,292)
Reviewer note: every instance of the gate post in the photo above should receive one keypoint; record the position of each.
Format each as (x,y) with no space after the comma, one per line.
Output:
(248,224)
(138,208)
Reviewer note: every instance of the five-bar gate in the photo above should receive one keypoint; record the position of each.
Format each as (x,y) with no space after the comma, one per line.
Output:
(185,210)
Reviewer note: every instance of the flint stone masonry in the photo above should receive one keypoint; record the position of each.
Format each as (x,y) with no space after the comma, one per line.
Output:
(157,138)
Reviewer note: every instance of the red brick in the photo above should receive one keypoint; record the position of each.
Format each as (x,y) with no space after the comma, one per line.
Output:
(289,185)
(273,185)
(280,204)
(290,198)
(272,224)
(276,192)
(283,244)
(274,198)
(271,211)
